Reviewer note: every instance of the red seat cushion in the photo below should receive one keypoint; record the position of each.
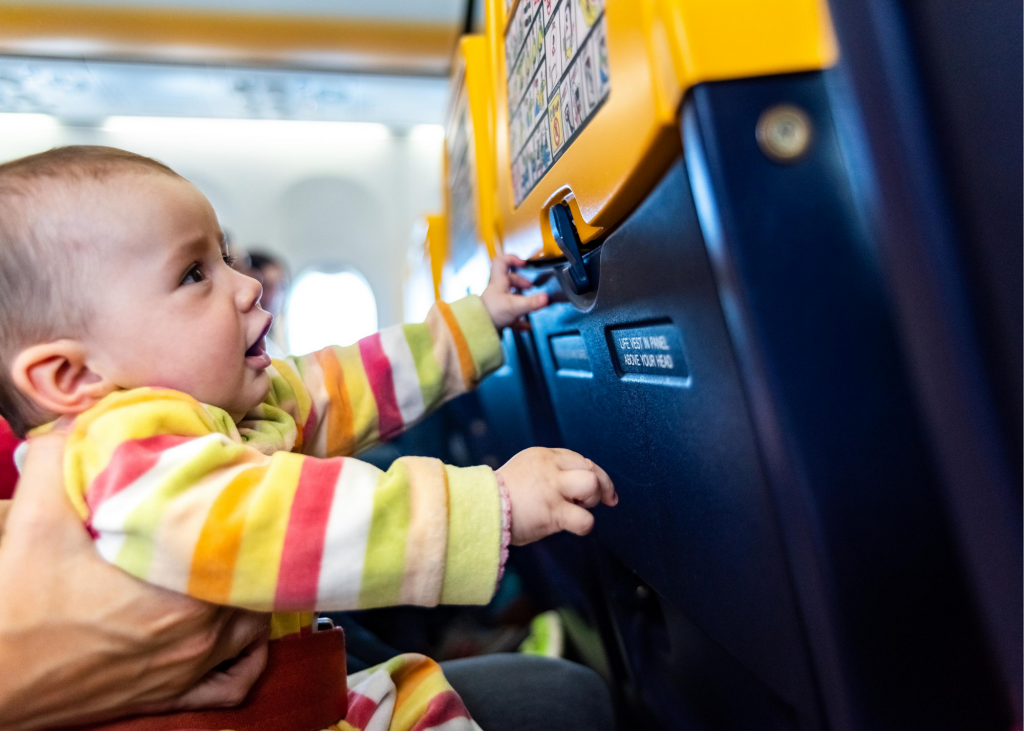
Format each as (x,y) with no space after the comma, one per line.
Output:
(8,472)
(303,689)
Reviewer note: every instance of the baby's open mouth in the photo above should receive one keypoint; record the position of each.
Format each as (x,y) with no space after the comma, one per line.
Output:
(259,348)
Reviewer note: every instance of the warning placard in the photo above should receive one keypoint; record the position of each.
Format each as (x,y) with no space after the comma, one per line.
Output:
(653,350)
(556,56)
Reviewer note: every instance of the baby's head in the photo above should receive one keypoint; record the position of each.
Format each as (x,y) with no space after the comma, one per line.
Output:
(114,275)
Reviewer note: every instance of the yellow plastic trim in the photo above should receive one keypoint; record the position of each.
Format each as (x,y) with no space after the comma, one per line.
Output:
(657,50)
(474,80)
(504,15)
(223,35)
(437,248)
(729,39)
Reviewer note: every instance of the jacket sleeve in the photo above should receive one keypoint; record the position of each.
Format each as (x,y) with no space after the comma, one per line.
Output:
(345,400)
(173,497)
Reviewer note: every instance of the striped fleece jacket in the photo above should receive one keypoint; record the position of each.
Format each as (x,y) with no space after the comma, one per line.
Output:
(272,514)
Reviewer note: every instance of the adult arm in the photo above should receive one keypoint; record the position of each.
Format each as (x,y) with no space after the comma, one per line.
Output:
(81,641)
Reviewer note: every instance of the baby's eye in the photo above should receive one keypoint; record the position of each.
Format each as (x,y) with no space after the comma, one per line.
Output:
(230,260)
(194,275)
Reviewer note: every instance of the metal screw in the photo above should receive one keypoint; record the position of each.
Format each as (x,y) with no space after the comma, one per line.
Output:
(784,133)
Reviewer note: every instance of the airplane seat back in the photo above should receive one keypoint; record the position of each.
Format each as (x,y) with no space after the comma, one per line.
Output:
(726,346)
(696,191)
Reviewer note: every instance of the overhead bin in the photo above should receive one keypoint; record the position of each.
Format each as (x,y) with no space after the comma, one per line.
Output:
(725,347)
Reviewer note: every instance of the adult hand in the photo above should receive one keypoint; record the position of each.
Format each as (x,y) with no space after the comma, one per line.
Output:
(81,641)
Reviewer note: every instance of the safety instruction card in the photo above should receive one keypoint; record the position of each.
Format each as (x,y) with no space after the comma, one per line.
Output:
(556,57)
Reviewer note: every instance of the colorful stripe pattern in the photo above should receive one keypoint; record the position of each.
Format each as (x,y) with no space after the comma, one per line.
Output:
(347,399)
(272,514)
(407,693)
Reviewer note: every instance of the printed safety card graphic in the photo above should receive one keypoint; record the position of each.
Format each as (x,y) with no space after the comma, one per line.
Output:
(556,57)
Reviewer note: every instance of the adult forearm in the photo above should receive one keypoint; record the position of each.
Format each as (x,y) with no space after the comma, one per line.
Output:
(53,675)
(43,685)
(82,641)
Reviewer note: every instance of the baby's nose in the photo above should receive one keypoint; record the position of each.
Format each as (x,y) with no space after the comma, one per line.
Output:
(249,293)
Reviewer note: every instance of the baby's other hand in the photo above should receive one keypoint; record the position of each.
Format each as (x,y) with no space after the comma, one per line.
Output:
(551,490)
(503,304)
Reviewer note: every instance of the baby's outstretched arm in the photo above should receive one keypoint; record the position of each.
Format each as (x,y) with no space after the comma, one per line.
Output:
(346,399)
(172,496)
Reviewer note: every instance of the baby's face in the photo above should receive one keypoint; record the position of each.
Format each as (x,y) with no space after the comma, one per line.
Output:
(168,310)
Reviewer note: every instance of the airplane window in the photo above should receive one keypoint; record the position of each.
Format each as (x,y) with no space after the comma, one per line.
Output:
(329,308)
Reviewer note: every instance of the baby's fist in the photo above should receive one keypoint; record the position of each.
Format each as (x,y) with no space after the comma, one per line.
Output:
(503,305)
(551,490)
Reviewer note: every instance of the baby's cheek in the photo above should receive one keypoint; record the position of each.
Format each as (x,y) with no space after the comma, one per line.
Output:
(208,375)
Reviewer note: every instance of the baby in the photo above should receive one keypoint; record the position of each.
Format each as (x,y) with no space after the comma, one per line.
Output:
(201,465)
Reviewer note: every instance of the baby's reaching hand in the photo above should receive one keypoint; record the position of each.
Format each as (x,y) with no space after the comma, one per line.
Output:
(505,306)
(550,490)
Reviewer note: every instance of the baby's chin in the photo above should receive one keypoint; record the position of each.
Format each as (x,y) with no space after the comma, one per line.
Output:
(254,394)
(260,389)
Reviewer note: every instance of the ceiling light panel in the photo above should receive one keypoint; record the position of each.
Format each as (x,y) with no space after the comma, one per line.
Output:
(93,90)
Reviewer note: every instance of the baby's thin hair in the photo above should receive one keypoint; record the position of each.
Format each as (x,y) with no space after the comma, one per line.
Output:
(41,288)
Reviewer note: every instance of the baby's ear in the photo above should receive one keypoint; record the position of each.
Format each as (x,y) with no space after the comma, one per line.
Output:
(56,377)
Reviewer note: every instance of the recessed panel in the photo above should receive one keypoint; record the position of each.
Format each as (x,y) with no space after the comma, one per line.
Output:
(569,352)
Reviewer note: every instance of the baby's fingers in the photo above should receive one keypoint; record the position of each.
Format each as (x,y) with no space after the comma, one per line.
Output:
(519,281)
(525,304)
(608,495)
(569,461)
(574,519)
(566,459)
(580,486)
(501,265)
